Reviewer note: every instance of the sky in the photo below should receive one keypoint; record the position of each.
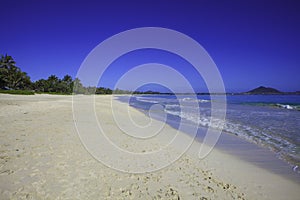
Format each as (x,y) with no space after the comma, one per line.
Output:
(252,42)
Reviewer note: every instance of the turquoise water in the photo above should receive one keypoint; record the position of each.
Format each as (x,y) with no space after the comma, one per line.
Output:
(271,121)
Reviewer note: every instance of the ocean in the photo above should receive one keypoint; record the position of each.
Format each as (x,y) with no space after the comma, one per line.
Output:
(269,121)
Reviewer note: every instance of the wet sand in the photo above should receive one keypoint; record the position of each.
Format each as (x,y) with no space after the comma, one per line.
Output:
(42,157)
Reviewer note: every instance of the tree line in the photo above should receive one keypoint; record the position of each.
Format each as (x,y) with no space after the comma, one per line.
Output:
(13,78)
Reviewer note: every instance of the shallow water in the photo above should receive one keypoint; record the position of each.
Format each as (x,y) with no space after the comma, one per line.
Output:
(270,121)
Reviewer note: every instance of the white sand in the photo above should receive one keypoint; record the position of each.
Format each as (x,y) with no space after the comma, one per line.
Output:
(41,157)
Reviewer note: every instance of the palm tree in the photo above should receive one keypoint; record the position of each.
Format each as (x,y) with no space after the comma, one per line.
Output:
(16,79)
(52,83)
(11,76)
(68,84)
(78,88)
(5,63)
(41,85)
(68,79)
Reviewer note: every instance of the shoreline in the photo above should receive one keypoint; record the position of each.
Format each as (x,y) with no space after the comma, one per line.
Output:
(261,156)
(42,157)
(286,164)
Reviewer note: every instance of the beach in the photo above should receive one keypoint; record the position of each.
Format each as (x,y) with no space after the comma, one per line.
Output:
(42,157)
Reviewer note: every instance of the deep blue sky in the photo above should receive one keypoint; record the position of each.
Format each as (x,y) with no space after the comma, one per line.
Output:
(252,42)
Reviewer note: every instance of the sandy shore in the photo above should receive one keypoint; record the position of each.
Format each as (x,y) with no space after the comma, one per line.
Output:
(42,157)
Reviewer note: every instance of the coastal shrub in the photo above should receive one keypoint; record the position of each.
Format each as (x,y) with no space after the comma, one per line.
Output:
(21,92)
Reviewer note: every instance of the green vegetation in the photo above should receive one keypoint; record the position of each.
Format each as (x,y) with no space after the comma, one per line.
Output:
(14,81)
(54,85)
(22,92)
(11,76)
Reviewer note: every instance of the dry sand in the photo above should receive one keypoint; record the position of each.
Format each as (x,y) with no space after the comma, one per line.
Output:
(42,157)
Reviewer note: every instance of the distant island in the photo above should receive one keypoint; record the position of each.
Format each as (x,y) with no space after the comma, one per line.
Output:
(261,90)
(264,90)
(267,91)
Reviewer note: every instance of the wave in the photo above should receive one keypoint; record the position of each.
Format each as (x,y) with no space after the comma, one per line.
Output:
(276,105)
(199,120)
(147,100)
(283,148)
(287,106)
(255,121)
(167,106)
(188,99)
